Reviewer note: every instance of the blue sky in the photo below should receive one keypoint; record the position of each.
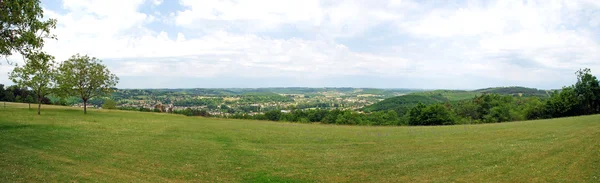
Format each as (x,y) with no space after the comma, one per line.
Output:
(328,43)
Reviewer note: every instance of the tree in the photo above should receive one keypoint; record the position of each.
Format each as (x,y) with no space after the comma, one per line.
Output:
(435,114)
(38,73)
(109,104)
(563,103)
(534,109)
(22,28)
(587,89)
(415,114)
(85,77)
(273,115)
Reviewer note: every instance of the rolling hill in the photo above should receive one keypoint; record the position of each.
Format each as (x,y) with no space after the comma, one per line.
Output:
(401,104)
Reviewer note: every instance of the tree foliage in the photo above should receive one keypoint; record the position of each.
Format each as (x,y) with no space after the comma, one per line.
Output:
(587,90)
(22,27)
(435,114)
(85,77)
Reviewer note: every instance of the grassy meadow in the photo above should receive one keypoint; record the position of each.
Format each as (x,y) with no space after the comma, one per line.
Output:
(64,145)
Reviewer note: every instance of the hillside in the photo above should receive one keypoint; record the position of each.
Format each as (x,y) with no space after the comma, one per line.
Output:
(449,95)
(63,145)
(402,104)
(515,91)
(455,95)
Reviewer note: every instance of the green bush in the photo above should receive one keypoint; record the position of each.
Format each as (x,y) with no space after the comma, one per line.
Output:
(435,114)
(273,115)
(109,104)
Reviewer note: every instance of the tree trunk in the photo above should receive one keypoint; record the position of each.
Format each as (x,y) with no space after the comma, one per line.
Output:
(39,103)
(84,106)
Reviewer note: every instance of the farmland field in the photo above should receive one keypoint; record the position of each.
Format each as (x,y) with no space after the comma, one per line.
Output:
(64,145)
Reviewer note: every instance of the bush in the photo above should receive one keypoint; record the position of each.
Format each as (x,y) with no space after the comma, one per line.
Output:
(273,115)
(435,114)
(109,104)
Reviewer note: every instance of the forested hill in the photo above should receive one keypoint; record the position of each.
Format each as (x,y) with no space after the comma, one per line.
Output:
(454,95)
(515,91)
(401,104)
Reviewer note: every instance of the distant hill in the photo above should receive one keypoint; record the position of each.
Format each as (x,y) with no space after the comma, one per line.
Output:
(402,103)
(515,91)
(450,95)
(454,95)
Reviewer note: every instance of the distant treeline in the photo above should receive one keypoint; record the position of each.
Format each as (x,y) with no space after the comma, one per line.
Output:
(16,94)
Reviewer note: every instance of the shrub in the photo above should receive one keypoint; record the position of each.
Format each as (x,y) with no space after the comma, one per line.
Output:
(109,104)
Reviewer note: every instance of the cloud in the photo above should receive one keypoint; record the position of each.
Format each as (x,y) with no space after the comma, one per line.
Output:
(401,43)
(251,56)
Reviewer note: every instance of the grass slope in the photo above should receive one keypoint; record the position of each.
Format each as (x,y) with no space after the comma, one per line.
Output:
(63,145)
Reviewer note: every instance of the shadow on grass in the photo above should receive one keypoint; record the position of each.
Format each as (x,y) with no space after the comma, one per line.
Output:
(33,136)
(4,127)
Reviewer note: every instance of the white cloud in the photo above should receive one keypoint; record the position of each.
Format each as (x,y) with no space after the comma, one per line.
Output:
(545,36)
(521,42)
(222,53)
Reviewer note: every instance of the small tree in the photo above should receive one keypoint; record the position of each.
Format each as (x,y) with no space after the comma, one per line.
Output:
(435,114)
(109,104)
(273,115)
(38,74)
(85,77)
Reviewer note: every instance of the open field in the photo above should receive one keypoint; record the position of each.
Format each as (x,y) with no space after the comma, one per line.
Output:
(64,145)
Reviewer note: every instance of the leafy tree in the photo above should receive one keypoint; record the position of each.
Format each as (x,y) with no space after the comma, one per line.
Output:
(349,117)
(22,28)
(587,89)
(9,96)
(85,77)
(316,115)
(109,104)
(29,99)
(435,114)
(331,116)
(273,115)
(391,118)
(415,114)
(534,109)
(467,109)
(499,113)
(563,103)
(38,73)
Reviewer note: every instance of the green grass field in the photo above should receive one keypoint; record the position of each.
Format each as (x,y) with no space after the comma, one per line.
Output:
(64,145)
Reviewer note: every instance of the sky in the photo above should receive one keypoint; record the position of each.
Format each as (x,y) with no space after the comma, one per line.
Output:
(454,44)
